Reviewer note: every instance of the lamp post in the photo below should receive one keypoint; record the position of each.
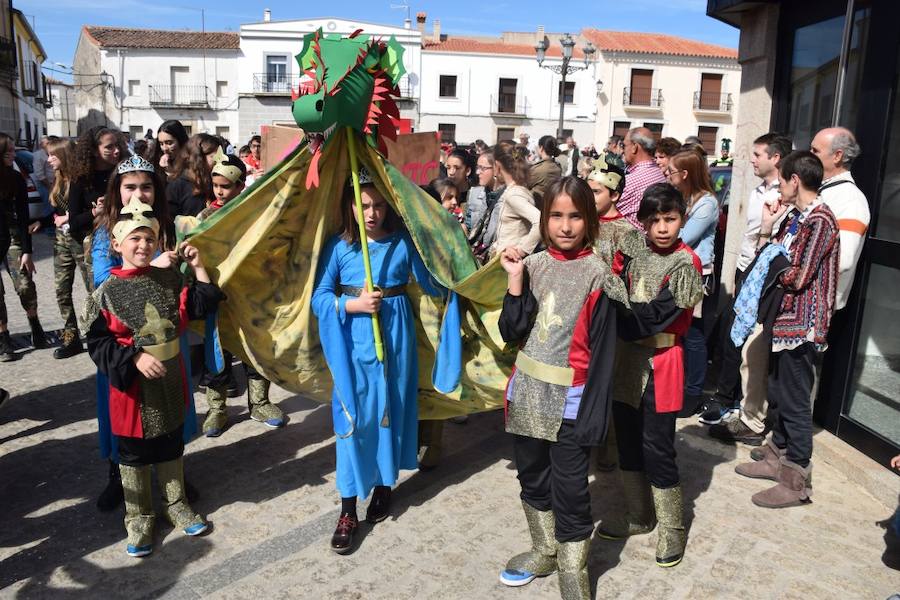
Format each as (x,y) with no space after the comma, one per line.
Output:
(568,45)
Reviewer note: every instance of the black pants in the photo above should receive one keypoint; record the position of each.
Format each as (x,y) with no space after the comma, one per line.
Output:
(728,381)
(646,439)
(554,475)
(790,384)
(137,452)
(225,377)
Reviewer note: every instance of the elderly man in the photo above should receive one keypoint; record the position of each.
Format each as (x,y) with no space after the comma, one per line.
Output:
(525,140)
(836,147)
(640,172)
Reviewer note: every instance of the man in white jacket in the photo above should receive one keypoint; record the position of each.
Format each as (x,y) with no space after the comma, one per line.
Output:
(836,147)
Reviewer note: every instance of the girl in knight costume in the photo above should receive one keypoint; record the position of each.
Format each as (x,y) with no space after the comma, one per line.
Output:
(558,395)
(135,320)
(228,176)
(654,296)
(374,404)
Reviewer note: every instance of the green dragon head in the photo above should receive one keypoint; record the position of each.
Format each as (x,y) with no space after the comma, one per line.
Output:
(350,83)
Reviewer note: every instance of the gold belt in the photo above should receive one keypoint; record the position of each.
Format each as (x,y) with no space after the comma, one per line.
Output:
(164,351)
(660,340)
(397,290)
(543,371)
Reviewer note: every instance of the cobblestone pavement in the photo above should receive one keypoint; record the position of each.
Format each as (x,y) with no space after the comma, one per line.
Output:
(271,498)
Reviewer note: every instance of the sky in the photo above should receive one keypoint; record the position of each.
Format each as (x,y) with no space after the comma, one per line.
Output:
(58,23)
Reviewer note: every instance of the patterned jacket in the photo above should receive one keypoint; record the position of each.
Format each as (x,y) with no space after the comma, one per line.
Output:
(810,283)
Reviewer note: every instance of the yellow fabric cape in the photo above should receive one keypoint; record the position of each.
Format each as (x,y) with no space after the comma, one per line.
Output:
(262,249)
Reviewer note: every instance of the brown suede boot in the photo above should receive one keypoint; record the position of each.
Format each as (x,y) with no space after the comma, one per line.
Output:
(765,467)
(794,487)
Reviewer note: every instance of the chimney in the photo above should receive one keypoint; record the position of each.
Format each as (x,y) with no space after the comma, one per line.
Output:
(540,34)
(436,31)
(420,22)
(267,15)
(407,23)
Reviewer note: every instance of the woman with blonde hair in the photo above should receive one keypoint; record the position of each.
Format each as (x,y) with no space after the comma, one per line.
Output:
(68,254)
(519,222)
(688,172)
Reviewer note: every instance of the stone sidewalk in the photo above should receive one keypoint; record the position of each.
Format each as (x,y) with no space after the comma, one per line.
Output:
(270,496)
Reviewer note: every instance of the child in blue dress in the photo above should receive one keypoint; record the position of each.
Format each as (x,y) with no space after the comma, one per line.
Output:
(374,404)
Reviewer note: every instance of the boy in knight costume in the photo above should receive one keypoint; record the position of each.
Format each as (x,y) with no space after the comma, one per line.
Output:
(136,317)
(654,296)
(228,176)
(607,180)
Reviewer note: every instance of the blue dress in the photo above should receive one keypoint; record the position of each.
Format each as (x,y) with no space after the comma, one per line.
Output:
(374,405)
(102,262)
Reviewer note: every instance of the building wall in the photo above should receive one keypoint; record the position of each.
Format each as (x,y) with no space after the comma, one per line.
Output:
(8,117)
(93,103)
(259,40)
(477,86)
(678,78)
(141,75)
(61,119)
(29,88)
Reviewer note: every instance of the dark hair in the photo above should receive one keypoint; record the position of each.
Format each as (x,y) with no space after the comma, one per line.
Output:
(513,160)
(547,143)
(697,149)
(255,138)
(175,129)
(140,147)
(349,227)
(198,172)
(806,166)
(7,174)
(775,143)
(668,146)
(86,152)
(244,150)
(615,139)
(583,199)
(463,155)
(112,206)
(439,186)
(234,161)
(661,198)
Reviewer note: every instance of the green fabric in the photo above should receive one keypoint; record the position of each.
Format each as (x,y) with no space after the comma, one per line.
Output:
(262,250)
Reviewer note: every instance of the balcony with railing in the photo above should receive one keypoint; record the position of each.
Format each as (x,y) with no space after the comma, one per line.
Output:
(713,102)
(276,84)
(650,99)
(7,58)
(190,96)
(508,105)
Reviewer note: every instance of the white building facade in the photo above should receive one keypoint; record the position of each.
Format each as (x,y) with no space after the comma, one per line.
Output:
(268,69)
(135,79)
(61,120)
(30,90)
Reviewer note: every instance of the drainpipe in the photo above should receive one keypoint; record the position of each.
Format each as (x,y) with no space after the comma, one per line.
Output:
(122,95)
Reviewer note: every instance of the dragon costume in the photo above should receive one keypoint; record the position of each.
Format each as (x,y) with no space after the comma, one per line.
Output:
(264,246)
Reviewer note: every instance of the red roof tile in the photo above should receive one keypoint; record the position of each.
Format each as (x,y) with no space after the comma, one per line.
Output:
(477,46)
(655,43)
(122,37)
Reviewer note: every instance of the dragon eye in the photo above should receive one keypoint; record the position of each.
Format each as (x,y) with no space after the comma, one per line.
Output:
(319,105)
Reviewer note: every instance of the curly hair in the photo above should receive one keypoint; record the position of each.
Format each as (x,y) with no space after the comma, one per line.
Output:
(86,152)
(197,169)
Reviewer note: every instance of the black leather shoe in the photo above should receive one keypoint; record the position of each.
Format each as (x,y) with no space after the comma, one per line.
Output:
(7,353)
(113,495)
(380,505)
(342,540)
(38,337)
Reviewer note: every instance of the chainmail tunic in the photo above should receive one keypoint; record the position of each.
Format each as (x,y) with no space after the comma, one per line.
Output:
(560,288)
(148,304)
(647,273)
(615,235)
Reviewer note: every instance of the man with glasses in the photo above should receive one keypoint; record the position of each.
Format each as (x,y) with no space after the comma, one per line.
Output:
(640,172)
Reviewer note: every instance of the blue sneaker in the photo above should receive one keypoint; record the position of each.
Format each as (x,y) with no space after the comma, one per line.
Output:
(139,551)
(274,423)
(516,578)
(196,529)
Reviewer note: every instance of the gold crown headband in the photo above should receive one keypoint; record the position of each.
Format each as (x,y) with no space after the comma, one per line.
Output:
(134,216)
(602,174)
(222,167)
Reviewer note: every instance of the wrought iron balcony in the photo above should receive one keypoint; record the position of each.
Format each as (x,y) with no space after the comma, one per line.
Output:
(179,95)
(274,83)
(642,98)
(508,105)
(713,101)
(7,57)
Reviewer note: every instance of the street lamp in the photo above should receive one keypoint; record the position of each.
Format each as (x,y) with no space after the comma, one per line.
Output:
(568,45)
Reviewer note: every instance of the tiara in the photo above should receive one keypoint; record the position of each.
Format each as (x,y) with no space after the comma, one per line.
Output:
(135,163)
(364,177)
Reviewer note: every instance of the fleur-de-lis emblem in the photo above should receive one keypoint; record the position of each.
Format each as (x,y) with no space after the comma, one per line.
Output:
(156,326)
(547,317)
